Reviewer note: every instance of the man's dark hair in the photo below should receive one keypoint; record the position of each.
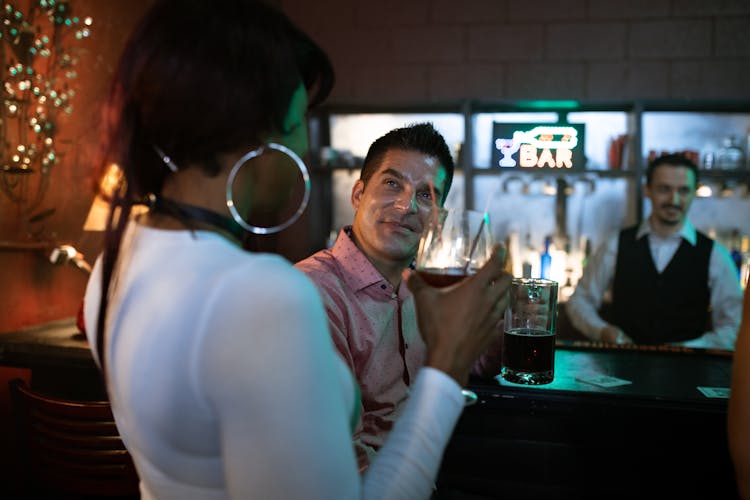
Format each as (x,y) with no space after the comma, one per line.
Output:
(674,159)
(420,137)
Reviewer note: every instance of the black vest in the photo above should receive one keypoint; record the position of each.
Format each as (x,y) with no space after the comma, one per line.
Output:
(653,308)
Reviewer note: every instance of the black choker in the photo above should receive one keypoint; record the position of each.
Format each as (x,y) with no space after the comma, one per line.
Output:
(185,212)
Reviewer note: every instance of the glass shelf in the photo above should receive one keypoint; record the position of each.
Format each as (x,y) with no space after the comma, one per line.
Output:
(735,174)
(553,173)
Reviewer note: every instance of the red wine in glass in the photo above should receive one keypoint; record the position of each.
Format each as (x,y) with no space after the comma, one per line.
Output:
(442,277)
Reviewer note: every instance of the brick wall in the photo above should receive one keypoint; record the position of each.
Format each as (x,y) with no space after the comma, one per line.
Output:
(432,51)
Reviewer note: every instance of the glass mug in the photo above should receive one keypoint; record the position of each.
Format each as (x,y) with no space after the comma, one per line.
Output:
(530,328)
(454,244)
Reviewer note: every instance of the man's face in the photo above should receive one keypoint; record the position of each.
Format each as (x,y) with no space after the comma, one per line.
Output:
(394,206)
(671,191)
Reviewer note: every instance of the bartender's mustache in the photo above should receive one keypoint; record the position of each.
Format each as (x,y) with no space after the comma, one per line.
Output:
(676,207)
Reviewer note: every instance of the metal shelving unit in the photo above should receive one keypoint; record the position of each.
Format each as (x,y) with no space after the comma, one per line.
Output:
(468,110)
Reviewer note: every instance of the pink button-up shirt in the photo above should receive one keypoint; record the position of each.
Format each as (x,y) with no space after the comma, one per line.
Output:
(374,328)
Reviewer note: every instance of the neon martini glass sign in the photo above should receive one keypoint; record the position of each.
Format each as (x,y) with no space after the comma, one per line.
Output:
(544,146)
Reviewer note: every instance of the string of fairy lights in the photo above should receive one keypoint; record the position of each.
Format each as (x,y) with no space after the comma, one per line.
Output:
(38,60)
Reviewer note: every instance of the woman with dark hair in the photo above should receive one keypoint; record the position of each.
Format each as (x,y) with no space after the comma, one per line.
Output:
(221,374)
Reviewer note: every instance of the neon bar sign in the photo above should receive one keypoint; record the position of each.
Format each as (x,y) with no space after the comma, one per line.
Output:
(524,145)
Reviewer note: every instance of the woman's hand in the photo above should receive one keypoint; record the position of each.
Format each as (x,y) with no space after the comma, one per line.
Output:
(459,322)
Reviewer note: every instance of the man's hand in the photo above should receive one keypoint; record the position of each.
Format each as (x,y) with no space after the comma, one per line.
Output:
(459,322)
(614,335)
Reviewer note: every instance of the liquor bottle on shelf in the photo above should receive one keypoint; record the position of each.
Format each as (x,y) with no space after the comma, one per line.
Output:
(585,251)
(730,156)
(735,249)
(745,265)
(546,259)
(514,255)
(568,258)
(529,257)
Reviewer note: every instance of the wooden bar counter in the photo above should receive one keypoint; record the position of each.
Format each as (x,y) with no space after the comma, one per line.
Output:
(59,358)
(658,436)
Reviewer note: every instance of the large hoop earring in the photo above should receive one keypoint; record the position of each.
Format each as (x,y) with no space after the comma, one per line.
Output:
(236,168)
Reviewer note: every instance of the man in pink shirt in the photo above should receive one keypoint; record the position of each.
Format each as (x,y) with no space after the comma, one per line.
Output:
(371,314)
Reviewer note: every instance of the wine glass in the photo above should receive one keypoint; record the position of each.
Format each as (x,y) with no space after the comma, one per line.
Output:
(455,244)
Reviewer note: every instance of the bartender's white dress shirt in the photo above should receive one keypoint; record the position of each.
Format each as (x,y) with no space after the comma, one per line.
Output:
(723,283)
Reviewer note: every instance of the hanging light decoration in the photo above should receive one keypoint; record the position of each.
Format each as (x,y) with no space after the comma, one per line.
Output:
(38,60)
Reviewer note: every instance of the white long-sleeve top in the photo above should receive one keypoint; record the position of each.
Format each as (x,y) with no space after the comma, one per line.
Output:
(224,382)
(598,276)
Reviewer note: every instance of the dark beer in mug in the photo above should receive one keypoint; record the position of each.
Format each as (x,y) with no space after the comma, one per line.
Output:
(528,356)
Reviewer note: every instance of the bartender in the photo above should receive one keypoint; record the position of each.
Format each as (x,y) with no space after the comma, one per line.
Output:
(668,282)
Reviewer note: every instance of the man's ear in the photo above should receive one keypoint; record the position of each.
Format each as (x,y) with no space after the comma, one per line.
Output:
(357,190)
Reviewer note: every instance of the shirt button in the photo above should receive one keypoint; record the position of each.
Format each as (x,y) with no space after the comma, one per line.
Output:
(382,287)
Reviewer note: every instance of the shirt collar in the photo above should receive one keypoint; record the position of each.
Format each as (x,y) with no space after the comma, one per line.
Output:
(687,232)
(359,271)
